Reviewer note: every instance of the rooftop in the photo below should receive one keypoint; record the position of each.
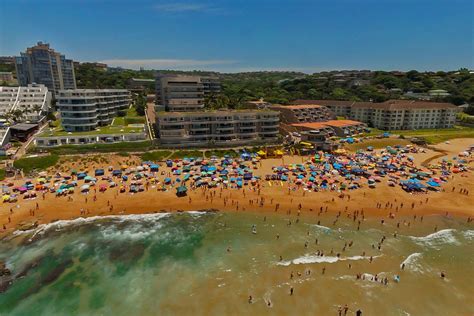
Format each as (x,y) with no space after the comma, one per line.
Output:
(103,130)
(405,105)
(219,111)
(297,107)
(387,105)
(331,123)
(24,126)
(142,80)
(323,102)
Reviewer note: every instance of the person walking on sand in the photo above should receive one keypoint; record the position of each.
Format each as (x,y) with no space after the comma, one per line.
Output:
(291,291)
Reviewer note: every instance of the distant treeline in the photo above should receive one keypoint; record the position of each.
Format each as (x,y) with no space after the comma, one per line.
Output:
(285,86)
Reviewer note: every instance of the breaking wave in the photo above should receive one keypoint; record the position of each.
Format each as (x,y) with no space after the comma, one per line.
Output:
(445,236)
(322,259)
(411,262)
(130,218)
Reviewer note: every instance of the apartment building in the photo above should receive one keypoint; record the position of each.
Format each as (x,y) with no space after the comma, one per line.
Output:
(394,114)
(406,114)
(339,108)
(303,113)
(181,93)
(25,104)
(219,128)
(84,110)
(41,64)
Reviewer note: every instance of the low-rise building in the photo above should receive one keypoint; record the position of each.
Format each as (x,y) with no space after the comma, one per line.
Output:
(303,113)
(25,104)
(217,128)
(86,109)
(47,139)
(342,128)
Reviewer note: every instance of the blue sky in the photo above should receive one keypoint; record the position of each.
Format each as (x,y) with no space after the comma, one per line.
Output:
(247,35)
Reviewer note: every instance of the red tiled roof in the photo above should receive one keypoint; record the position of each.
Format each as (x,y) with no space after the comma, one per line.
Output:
(313,125)
(342,123)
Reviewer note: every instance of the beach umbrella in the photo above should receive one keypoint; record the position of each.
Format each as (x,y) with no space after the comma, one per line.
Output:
(89,178)
(85,187)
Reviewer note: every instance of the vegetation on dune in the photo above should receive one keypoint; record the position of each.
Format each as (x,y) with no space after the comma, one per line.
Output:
(435,136)
(221,153)
(36,163)
(179,154)
(91,148)
(155,155)
(2,174)
(377,143)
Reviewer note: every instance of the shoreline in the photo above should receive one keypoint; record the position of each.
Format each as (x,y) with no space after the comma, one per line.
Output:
(381,202)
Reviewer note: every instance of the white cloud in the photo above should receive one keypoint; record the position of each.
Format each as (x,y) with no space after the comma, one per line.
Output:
(184,7)
(179,64)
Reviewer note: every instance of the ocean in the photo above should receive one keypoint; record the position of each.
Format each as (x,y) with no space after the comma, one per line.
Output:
(213,263)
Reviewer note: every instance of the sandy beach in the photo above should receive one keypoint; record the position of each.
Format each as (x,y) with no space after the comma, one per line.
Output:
(20,215)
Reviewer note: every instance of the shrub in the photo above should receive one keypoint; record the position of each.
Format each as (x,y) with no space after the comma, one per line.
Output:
(36,163)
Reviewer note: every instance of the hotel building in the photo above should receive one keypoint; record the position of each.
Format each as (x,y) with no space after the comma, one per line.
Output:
(41,64)
(83,110)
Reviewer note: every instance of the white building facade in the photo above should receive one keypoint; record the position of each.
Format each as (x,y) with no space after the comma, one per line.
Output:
(83,110)
(25,104)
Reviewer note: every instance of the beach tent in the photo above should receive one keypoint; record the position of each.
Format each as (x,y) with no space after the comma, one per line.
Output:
(99,172)
(432,183)
(89,179)
(117,173)
(245,156)
(181,190)
(81,175)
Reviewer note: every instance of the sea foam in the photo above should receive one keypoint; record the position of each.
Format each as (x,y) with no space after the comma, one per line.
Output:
(412,262)
(60,224)
(445,236)
(322,259)
(469,234)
